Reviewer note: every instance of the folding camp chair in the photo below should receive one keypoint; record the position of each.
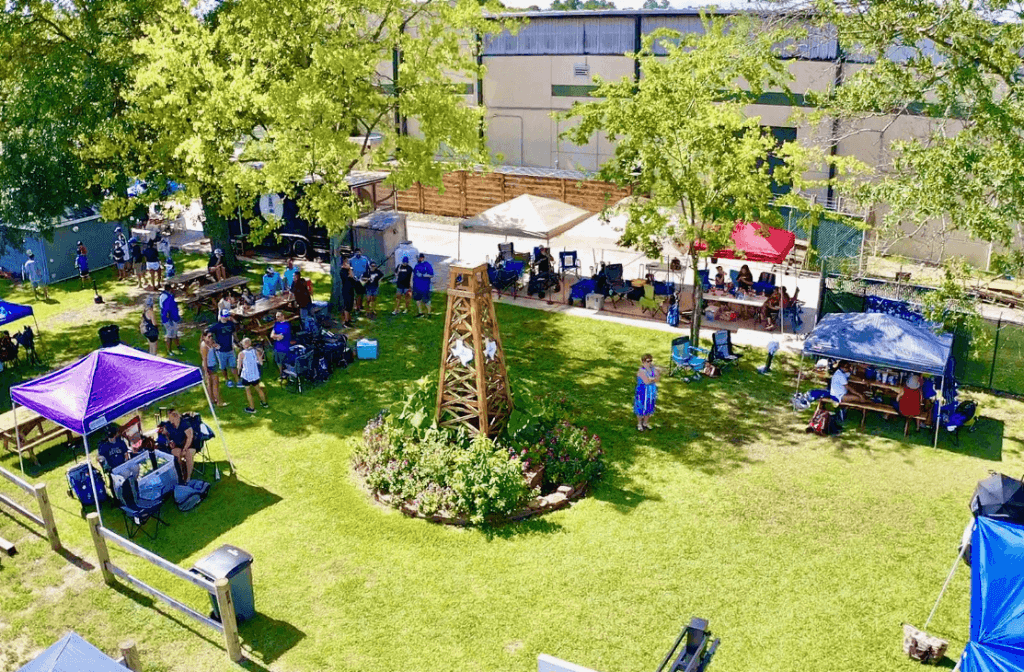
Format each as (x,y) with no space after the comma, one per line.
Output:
(765,283)
(569,261)
(617,287)
(201,436)
(705,279)
(721,349)
(686,359)
(131,432)
(648,302)
(506,252)
(137,512)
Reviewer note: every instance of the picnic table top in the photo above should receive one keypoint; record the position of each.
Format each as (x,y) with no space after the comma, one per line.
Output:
(221,286)
(262,307)
(185,278)
(756,301)
(25,416)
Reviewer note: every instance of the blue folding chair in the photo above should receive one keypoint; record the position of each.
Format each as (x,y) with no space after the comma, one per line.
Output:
(705,279)
(686,359)
(569,261)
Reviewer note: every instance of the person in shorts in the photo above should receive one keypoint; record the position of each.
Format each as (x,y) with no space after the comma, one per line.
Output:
(360,265)
(423,274)
(208,365)
(371,282)
(224,333)
(82,262)
(32,272)
(282,337)
(138,261)
(147,326)
(215,266)
(117,252)
(249,361)
(403,285)
(171,318)
(152,264)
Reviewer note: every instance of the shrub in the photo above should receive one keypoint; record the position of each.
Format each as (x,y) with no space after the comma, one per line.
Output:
(569,454)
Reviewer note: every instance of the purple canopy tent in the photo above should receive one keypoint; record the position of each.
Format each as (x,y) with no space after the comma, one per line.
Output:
(103,386)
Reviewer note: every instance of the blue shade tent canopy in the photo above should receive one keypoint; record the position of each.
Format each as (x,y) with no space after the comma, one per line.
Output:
(72,654)
(880,340)
(9,312)
(997,598)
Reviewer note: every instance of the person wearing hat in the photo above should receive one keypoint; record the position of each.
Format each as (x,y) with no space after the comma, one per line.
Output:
(908,401)
(82,262)
(171,318)
(423,273)
(31,272)
(371,282)
(215,266)
(360,265)
(117,253)
(152,264)
(271,282)
(138,261)
(403,285)
(224,333)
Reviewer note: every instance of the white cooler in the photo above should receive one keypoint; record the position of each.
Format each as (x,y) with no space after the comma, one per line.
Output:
(595,301)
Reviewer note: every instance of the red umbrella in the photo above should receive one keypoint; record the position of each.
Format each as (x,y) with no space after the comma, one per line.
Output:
(754,241)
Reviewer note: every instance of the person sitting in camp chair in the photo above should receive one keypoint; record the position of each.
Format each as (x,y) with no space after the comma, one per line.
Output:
(180,440)
(113,450)
(8,350)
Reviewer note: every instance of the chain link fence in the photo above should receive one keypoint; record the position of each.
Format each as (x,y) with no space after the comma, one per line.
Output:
(994,362)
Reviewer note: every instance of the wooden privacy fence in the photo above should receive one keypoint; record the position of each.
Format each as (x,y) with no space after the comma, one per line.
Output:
(470,193)
(45,517)
(220,589)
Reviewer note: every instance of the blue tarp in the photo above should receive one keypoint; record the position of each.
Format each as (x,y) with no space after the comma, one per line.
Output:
(880,340)
(997,598)
(73,654)
(9,312)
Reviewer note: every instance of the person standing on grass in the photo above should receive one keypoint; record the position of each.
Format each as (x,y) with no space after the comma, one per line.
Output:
(403,285)
(148,326)
(208,365)
(117,252)
(249,362)
(163,246)
(423,274)
(348,293)
(372,283)
(82,262)
(360,265)
(282,337)
(288,275)
(138,261)
(646,395)
(303,297)
(224,333)
(171,318)
(32,273)
(152,264)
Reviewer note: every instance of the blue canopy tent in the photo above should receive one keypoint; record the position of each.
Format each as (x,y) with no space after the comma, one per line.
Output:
(997,598)
(12,312)
(72,654)
(880,340)
(103,386)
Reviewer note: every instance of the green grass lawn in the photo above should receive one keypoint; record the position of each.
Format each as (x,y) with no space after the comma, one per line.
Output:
(804,553)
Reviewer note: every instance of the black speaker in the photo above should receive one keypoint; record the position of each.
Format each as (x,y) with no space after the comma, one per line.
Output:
(110,335)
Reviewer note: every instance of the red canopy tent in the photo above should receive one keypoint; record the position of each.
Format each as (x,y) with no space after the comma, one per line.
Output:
(751,243)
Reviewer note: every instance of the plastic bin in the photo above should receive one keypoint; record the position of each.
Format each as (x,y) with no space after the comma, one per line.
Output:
(595,301)
(366,349)
(235,565)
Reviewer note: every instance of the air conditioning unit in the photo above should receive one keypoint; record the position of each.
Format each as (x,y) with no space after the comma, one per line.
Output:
(581,70)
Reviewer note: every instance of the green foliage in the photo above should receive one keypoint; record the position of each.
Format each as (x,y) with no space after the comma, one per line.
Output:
(569,454)
(417,411)
(655,4)
(961,68)
(955,307)
(683,139)
(564,5)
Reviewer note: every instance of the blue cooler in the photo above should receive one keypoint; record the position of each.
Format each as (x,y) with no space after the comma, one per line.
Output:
(366,349)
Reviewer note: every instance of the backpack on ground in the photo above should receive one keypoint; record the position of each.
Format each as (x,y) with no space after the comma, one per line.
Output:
(823,423)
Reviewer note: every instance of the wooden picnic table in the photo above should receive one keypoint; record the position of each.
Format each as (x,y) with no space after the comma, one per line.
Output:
(250,318)
(28,421)
(183,280)
(207,295)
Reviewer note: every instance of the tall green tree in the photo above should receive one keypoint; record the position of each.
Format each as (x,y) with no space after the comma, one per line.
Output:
(683,139)
(62,69)
(957,65)
(563,5)
(265,97)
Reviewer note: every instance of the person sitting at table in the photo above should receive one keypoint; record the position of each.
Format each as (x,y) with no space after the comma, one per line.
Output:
(745,279)
(215,266)
(271,282)
(839,389)
(246,297)
(909,400)
(113,449)
(225,303)
(180,440)
(774,306)
(720,282)
(768,309)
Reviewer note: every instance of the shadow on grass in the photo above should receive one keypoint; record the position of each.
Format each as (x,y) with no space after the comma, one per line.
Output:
(270,638)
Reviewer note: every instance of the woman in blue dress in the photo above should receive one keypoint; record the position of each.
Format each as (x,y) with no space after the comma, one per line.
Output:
(646,394)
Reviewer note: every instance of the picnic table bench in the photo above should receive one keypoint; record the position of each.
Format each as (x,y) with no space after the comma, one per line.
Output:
(250,319)
(28,421)
(206,296)
(182,281)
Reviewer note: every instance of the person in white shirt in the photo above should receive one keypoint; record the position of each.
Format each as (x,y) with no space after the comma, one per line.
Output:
(32,272)
(839,389)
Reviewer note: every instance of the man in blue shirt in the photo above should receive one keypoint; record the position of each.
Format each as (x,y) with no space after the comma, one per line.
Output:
(359,265)
(271,282)
(224,333)
(171,318)
(282,337)
(422,274)
(113,450)
(289,275)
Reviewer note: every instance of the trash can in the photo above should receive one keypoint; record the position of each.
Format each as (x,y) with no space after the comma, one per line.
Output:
(110,335)
(235,565)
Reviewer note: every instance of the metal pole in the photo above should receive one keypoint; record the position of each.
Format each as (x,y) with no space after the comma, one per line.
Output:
(938,417)
(92,481)
(220,430)
(17,437)
(995,350)
(942,592)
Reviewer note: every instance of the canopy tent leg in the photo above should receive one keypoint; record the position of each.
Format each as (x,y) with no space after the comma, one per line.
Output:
(92,481)
(938,416)
(220,430)
(17,438)
(952,571)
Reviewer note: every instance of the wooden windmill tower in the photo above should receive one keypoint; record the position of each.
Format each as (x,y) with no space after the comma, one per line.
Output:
(473,389)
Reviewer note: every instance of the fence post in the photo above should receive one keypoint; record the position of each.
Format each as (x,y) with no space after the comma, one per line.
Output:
(995,351)
(46,513)
(226,605)
(101,547)
(130,655)
(419,191)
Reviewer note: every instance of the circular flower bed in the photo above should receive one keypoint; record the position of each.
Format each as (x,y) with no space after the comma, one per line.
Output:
(540,463)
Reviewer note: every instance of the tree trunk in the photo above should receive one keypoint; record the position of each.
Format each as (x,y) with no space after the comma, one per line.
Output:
(698,298)
(337,243)
(218,230)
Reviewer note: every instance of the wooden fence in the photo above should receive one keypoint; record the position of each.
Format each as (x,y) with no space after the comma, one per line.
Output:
(44,519)
(221,589)
(470,193)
